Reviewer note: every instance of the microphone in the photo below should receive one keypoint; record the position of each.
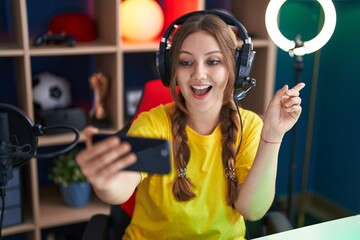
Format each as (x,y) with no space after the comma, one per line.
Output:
(6,172)
(5,160)
(18,144)
(240,93)
(19,136)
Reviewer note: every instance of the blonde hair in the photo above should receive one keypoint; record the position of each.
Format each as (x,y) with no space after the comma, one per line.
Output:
(229,118)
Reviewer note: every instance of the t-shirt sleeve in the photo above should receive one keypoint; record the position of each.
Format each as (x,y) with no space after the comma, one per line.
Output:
(252,125)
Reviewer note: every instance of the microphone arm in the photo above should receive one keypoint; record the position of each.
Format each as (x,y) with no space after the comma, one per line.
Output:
(240,94)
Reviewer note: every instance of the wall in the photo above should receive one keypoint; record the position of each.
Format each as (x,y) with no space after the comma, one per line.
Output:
(335,156)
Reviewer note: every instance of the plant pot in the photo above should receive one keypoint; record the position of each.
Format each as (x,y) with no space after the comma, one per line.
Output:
(76,194)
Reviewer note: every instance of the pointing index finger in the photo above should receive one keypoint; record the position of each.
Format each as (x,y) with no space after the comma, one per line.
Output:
(299,86)
(295,91)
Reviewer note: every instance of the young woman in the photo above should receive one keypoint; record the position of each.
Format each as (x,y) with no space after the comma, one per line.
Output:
(224,157)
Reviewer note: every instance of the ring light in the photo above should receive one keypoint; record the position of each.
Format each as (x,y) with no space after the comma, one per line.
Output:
(314,44)
(300,48)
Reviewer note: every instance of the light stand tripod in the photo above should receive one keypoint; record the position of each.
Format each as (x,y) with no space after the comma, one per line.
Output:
(298,68)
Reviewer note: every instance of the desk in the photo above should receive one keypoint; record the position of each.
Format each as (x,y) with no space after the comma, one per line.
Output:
(345,228)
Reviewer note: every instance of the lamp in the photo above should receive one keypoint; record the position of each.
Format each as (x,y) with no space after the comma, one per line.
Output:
(298,48)
(141,20)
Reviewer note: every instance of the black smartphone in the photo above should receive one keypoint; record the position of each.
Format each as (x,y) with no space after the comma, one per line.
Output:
(153,155)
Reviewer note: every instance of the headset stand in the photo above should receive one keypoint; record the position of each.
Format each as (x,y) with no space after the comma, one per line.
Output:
(298,67)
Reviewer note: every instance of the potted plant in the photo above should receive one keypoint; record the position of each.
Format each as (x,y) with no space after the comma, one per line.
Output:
(74,188)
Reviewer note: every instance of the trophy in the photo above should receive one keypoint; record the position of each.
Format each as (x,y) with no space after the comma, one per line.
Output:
(100,86)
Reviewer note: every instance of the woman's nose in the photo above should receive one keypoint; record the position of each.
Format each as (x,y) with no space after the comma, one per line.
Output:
(199,72)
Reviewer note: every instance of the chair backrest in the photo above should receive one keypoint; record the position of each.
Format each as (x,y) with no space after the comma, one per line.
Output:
(154,94)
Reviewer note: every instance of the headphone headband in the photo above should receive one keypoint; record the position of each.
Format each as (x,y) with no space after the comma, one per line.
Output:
(227,18)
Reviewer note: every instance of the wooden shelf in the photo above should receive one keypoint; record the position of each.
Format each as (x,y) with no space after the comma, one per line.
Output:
(261,43)
(79,49)
(54,212)
(140,47)
(20,228)
(66,138)
(154,46)
(10,49)
(58,139)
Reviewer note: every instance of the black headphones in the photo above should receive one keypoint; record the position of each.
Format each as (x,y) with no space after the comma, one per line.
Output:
(244,56)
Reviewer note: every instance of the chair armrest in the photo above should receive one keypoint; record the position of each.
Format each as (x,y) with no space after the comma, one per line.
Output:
(277,222)
(97,228)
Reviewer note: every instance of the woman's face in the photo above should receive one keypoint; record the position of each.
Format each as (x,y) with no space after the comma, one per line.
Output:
(202,73)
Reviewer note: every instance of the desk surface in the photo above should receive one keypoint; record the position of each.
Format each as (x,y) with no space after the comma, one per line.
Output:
(345,228)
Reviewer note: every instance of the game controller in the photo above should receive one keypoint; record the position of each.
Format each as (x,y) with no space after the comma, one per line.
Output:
(54,38)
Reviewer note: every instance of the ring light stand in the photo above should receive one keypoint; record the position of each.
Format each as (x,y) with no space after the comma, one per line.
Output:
(297,48)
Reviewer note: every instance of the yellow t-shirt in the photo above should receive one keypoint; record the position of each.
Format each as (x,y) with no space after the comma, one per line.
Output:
(158,215)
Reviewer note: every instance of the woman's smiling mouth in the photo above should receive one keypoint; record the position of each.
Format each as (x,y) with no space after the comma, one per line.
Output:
(200,90)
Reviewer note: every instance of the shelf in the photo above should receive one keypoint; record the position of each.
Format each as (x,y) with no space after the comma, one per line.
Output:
(10,49)
(53,212)
(79,49)
(154,46)
(27,226)
(58,139)
(66,138)
(260,43)
(140,47)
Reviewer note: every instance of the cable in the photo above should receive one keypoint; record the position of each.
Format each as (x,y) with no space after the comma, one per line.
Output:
(2,195)
(64,150)
(241,138)
(241,124)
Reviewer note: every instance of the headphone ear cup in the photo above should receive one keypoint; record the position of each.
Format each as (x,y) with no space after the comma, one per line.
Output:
(167,66)
(163,66)
(244,61)
(238,79)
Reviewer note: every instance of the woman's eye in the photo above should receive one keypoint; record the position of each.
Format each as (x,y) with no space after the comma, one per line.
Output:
(213,62)
(185,63)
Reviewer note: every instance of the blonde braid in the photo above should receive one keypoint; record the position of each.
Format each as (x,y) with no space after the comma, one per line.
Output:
(229,124)
(182,184)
